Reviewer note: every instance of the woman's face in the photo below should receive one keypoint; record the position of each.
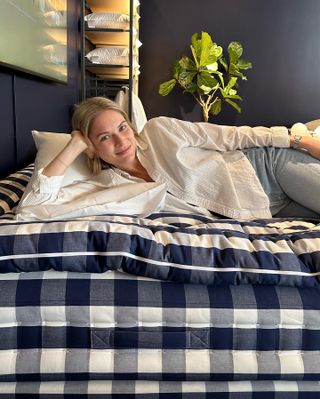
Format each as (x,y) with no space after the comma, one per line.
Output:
(113,139)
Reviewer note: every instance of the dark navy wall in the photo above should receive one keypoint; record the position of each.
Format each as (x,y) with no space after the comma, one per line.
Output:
(280,37)
(28,102)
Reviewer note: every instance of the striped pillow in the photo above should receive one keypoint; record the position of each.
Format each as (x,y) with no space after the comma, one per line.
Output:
(12,188)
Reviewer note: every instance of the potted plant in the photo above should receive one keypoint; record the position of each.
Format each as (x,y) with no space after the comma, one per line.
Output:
(210,77)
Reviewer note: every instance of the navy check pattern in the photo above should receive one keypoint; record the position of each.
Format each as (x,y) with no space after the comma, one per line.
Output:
(161,390)
(62,326)
(103,307)
(176,247)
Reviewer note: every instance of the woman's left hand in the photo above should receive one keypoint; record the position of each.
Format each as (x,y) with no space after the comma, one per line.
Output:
(310,144)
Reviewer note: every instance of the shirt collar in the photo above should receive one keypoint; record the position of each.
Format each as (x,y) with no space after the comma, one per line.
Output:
(141,144)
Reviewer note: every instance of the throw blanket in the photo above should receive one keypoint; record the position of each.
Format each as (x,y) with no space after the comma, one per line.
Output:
(177,247)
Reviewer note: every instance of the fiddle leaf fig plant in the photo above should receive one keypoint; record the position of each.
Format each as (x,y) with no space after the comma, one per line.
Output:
(211,78)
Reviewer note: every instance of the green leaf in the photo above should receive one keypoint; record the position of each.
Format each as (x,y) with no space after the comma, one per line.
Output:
(215,108)
(212,67)
(231,83)
(186,77)
(166,87)
(208,51)
(196,46)
(233,96)
(220,76)
(243,64)
(194,38)
(194,56)
(230,93)
(176,70)
(233,70)
(206,82)
(217,50)
(191,88)
(228,90)
(235,51)
(233,104)
(187,63)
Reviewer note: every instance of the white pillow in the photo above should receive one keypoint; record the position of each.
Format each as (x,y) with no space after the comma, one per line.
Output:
(107,20)
(109,55)
(49,145)
(312,125)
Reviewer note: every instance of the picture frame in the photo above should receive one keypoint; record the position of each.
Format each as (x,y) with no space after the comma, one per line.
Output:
(33,37)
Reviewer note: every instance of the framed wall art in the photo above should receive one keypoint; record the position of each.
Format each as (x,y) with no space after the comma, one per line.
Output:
(33,37)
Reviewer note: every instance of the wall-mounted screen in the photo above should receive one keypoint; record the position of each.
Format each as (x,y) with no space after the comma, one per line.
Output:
(33,37)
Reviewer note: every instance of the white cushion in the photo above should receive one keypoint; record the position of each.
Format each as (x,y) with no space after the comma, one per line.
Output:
(49,145)
(117,55)
(312,125)
(107,20)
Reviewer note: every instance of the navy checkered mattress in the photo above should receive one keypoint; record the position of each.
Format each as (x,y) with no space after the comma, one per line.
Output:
(170,303)
(113,326)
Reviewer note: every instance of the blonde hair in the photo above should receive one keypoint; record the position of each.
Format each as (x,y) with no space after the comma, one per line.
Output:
(85,114)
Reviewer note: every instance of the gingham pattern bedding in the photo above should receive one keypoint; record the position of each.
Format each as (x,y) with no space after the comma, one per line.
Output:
(248,326)
(58,326)
(161,390)
(11,190)
(176,247)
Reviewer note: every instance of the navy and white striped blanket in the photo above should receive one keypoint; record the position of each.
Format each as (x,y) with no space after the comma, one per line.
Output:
(181,248)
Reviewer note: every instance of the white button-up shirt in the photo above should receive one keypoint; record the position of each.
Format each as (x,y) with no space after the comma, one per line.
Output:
(200,163)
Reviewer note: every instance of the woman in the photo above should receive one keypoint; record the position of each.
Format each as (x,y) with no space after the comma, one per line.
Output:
(199,163)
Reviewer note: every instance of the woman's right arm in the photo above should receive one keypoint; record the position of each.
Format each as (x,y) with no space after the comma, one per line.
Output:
(59,165)
(45,185)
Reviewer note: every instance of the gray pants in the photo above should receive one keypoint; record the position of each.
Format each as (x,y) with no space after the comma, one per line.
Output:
(290,178)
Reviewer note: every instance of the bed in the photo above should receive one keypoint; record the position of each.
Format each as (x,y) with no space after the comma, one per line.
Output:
(166,306)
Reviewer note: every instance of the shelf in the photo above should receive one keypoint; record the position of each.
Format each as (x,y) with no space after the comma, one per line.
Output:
(115,82)
(107,79)
(118,6)
(87,28)
(99,37)
(119,71)
(97,66)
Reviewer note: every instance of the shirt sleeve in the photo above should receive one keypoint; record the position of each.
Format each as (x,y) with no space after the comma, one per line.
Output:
(46,190)
(223,137)
(43,189)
